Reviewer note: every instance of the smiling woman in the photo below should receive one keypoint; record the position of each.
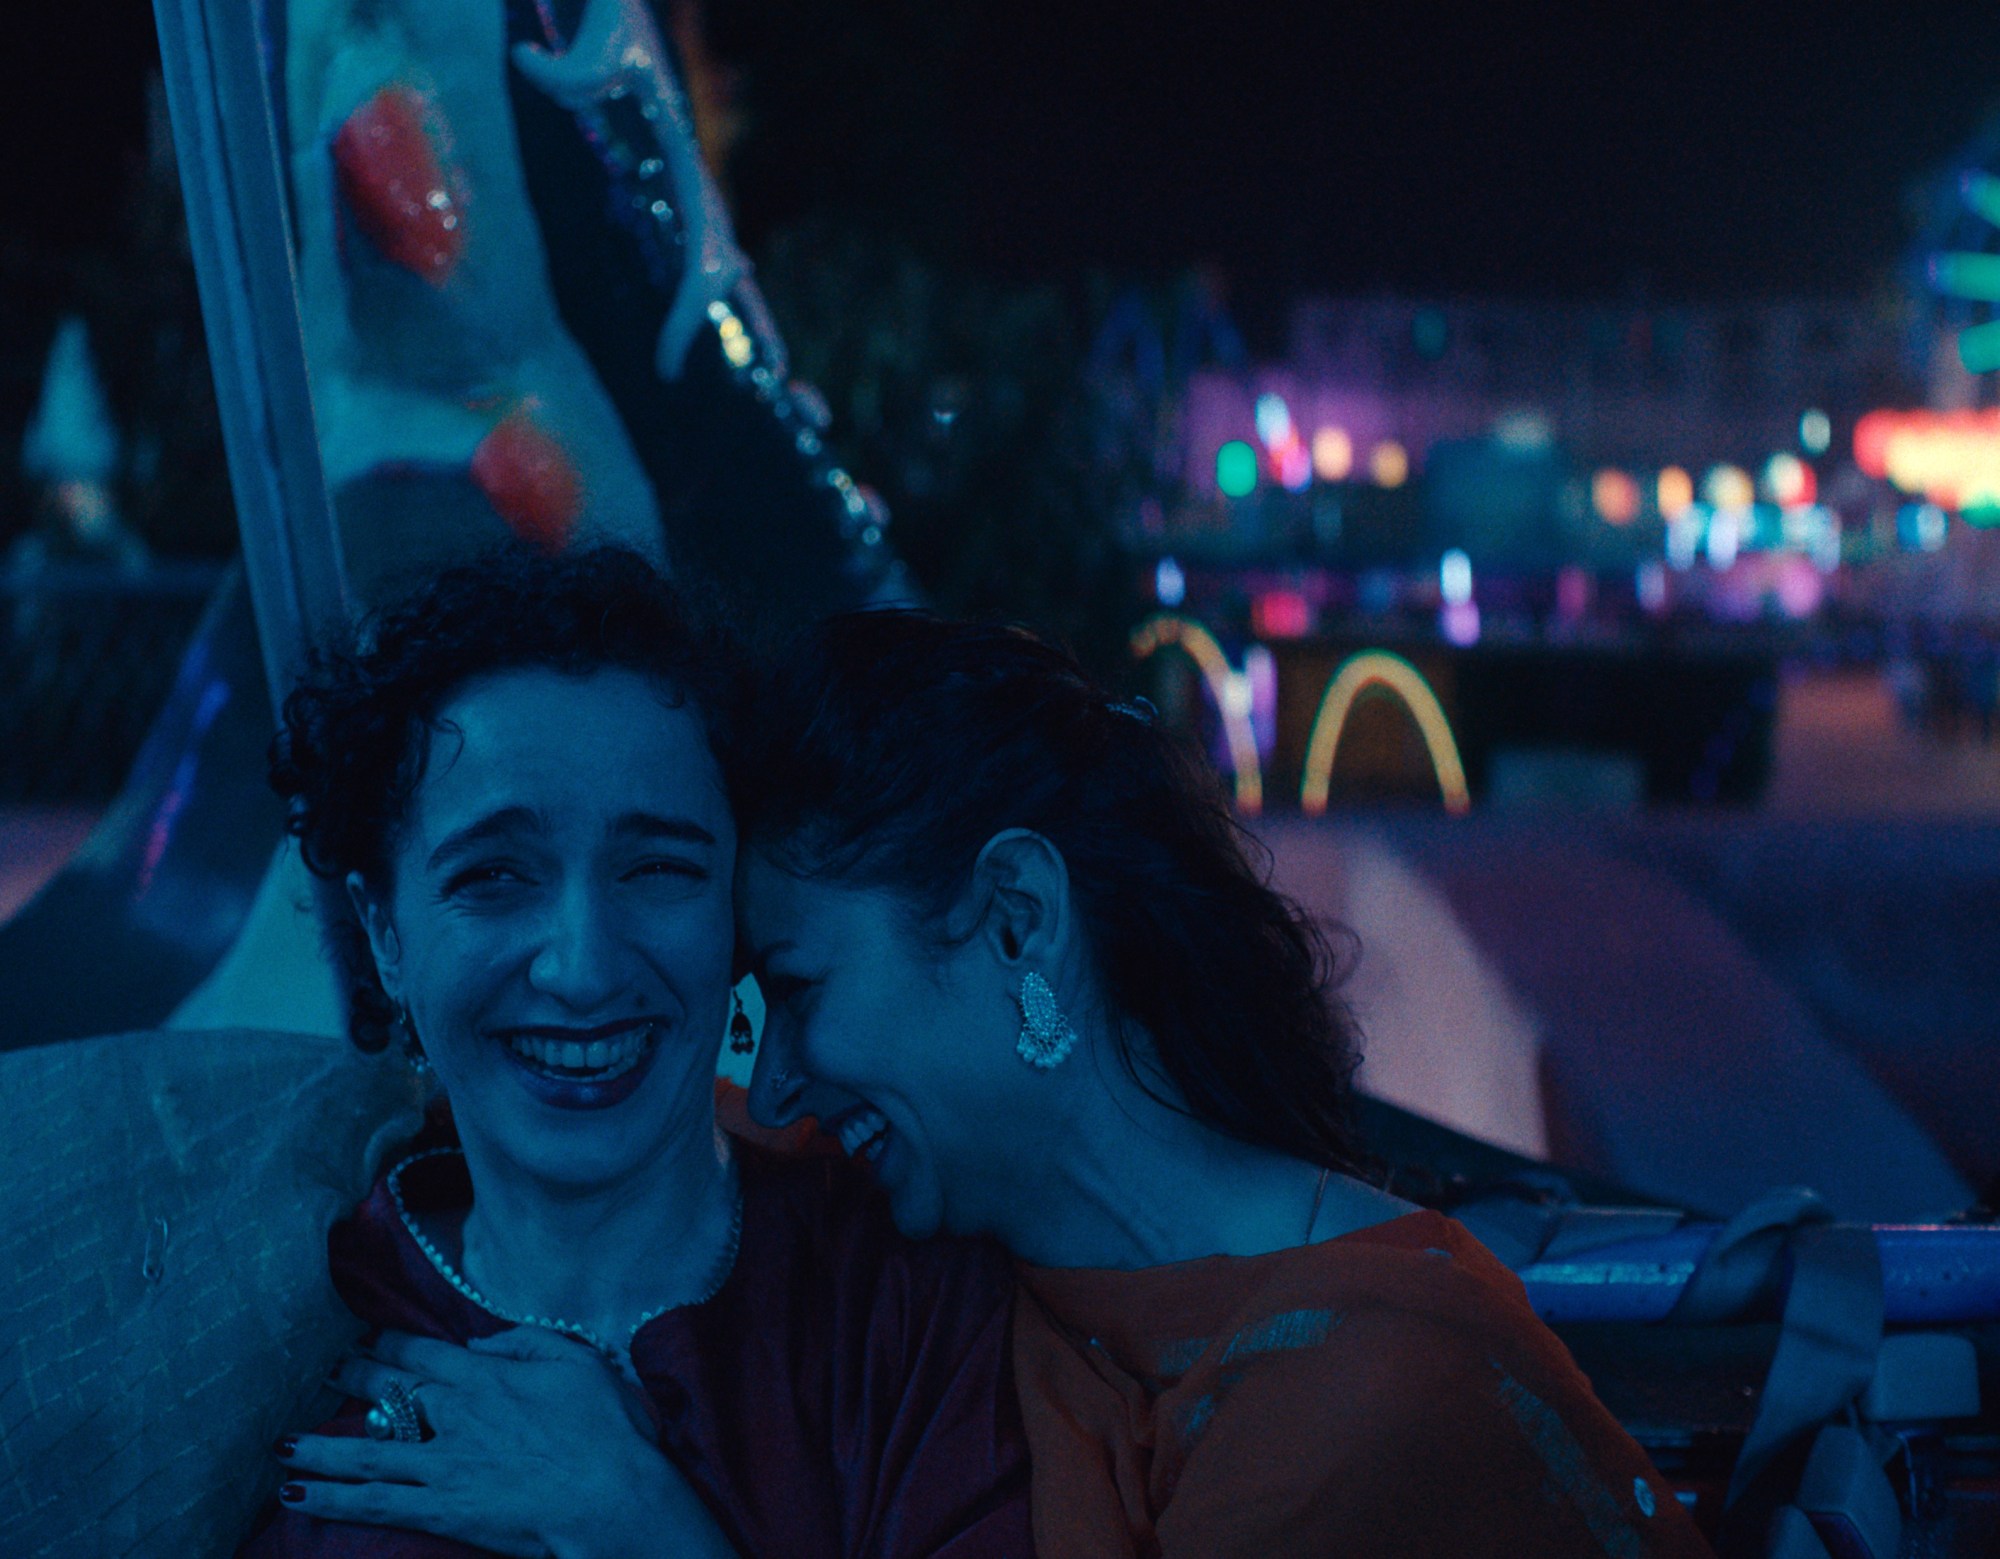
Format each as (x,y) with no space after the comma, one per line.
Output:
(556,933)
(605,1327)
(1019,957)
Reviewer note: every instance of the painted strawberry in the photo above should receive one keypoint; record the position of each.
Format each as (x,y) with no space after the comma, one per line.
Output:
(395,183)
(530,480)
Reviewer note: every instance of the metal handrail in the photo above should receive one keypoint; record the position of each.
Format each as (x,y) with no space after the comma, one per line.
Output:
(213,55)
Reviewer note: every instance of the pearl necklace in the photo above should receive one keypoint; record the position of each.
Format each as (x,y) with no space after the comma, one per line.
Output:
(617,1353)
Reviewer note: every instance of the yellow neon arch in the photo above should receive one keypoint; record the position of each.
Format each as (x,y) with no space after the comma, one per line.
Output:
(1379,668)
(1207,655)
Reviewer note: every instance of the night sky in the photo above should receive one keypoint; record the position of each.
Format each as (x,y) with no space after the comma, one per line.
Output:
(1701,151)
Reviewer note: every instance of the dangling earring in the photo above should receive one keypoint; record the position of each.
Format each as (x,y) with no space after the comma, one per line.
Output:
(406,1035)
(741,1041)
(1046,1037)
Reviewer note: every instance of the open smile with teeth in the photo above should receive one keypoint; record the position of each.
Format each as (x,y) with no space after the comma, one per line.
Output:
(595,1060)
(863,1133)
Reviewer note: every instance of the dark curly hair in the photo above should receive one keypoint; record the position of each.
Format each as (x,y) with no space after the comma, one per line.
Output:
(894,745)
(355,733)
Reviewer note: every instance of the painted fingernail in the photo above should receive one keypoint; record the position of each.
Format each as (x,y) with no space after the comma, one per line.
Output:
(285,1445)
(292,1493)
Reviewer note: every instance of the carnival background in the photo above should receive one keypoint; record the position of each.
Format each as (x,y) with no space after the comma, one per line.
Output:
(1552,467)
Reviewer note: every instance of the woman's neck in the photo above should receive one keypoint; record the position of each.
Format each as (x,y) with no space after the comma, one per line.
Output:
(602,1257)
(1128,1181)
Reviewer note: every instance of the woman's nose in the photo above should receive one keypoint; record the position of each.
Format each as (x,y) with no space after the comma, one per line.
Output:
(578,961)
(777,1085)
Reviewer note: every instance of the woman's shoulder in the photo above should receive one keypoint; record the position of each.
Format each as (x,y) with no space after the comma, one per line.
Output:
(1418,1277)
(1391,1381)
(1428,1275)
(1350,1206)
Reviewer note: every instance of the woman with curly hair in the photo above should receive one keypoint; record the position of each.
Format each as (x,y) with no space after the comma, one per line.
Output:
(1016,957)
(519,777)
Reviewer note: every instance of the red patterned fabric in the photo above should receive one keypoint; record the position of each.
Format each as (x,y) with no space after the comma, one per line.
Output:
(1389,1392)
(845,1393)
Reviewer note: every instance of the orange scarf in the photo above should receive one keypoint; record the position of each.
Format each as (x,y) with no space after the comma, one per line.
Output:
(1387,1392)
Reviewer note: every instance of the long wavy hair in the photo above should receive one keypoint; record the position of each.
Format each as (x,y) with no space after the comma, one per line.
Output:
(891,746)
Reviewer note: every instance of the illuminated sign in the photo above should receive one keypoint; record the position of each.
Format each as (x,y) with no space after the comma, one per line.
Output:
(1950,457)
(1228,687)
(1370,669)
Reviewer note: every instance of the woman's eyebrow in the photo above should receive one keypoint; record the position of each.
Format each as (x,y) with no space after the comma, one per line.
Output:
(508,820)
(648,825)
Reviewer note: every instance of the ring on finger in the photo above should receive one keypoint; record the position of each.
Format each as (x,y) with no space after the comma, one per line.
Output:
(398,1416)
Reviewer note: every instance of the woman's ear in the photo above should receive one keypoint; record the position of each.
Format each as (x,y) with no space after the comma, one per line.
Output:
(1023,883)
(380,930)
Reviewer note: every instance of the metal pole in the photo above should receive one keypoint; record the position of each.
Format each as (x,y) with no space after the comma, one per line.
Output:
(231,154)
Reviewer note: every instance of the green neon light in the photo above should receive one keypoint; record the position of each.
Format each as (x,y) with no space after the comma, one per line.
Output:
(1236,469)
(1979,347)
(1974,276)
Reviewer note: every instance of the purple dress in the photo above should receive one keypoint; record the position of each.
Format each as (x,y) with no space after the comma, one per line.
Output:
(846,1392)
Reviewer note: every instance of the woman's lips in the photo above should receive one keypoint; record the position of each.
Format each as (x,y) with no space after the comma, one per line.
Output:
(608,1056)
(593,1070)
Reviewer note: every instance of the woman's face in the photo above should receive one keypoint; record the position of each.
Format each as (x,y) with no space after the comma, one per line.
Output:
(560,924)
(901,1050)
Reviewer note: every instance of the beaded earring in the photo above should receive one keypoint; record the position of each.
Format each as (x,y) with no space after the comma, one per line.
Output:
(741,1041)
(1046,1037)
(412,1047)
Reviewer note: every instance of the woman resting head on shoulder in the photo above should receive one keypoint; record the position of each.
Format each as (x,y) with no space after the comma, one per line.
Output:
(604,1326)
(1017,957)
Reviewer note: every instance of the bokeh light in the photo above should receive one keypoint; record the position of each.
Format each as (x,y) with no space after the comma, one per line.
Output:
(1281,614)
(1684,535)
(1951,458)
(1650,585)
(1674,493)
(1333,454)
(1389,464)
(1274,420)
(1615,496)
(1236,469)
(1815,432)
(1729,487)
(1575,589)
(1725,533)
(1789,481)
(1979,347)
(1455,578)
(1922,527)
